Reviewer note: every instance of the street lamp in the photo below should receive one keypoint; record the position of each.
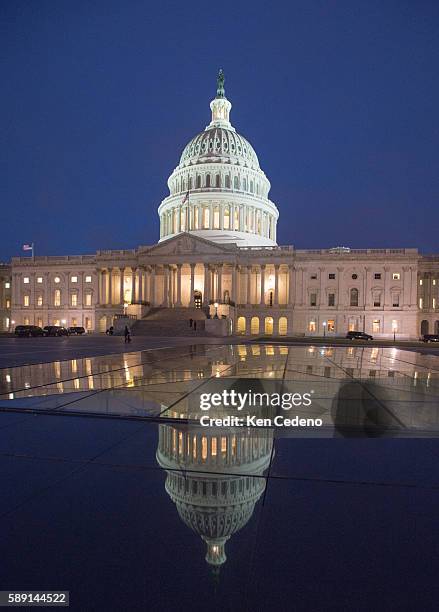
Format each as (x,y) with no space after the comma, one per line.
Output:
(324,329)
(216,310)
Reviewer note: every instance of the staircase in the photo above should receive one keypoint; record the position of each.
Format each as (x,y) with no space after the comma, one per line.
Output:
(170,322)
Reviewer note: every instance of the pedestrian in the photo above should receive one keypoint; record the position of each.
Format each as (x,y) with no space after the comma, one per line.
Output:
(195,326)
(190,322)
(126,333)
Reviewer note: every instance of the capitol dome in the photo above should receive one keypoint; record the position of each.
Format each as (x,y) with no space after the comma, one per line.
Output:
(218,191)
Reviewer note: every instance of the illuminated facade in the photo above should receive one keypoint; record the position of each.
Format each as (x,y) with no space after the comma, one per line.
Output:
(218,247)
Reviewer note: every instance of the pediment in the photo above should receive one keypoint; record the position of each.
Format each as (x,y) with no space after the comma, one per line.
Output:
(187,244)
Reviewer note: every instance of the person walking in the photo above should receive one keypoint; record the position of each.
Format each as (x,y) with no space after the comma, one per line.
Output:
(195,326)
(127,334)
(190,322)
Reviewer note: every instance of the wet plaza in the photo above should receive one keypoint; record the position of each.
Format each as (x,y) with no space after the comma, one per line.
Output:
(112,489)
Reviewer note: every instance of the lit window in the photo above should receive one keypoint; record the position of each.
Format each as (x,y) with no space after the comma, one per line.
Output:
(74,299)
(376,326)
(74,322)
(26,300)
(434,302)
(74,279)
(56,279)
(87,323)
(26,280)
(420,281)
(8,305)
(57,298)
(88,299)
(312,326)
(331,325)
(40,322)
(396,276)
(434,281)
(88,279)
(40,300)
(7,285)
(26,320)
(394,325)
(421,302)
(39,279)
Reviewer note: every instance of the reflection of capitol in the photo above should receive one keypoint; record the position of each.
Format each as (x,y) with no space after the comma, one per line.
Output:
(215,479)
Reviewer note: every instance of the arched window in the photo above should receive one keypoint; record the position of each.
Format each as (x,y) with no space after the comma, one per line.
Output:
(198,182)
(254,325)
(217,181)
(424,327)
(251,187)
(207,180)
(57,297)
(244,184)
(269,325)
(236,183)
(241,325)
(283,326)
(227,185)
(190,183)
(354,297)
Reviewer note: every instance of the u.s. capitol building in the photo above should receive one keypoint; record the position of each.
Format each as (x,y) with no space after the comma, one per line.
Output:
(218,260)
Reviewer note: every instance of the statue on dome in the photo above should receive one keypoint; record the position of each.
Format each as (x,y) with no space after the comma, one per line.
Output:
(220,93)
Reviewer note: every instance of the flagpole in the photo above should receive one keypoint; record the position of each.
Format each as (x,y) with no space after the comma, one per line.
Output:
(33,255)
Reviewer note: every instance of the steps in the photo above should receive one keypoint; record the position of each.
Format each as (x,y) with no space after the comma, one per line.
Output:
(170,322)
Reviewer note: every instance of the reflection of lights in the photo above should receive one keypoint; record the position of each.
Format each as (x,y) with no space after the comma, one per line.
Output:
(76,383)
(63,321)
(11,396)
(74,366)
(90,382)
(428,379)
(217,375)
(88,366)
(8,378)
(27,385)
(311,349)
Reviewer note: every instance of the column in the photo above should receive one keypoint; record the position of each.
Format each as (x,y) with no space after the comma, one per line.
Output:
(152,285)
(165,285)
(221,214)
(179,265)
(339,279)
(178,219)
(99,273)
(414,287)
(206,291)
(262,300)
(110,286)
(290,285)
(140,296)
(235,284)
(121,285)
(219,289)
(276,284)
(249,277)
(191,297)
(133,285)
(386,300)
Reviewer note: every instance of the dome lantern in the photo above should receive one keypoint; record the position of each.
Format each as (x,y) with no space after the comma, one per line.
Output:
(220,106)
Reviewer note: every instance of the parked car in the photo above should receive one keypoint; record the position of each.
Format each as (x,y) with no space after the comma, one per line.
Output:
(358,335)
(76,330)
(430,338)
(55,330)
(28,331)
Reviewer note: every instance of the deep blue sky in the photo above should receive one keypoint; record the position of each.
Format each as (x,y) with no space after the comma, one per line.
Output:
(339,99)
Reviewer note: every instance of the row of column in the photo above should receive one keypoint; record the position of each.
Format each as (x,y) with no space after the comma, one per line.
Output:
(240,218)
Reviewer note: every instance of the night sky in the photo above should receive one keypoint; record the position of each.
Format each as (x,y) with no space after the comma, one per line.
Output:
(339,99)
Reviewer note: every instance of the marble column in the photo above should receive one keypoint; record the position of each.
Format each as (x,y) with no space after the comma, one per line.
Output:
(276,284)
(152,285)
(178,303)
(191,296)
(249,279)
(235,284)
(262,300)
(290,285)
(133,285)
(121,285)
(206,292)
(110,286)
(140,280)
(219,288)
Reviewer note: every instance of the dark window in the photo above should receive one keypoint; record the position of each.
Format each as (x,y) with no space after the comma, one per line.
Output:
(313,276)
(377,276)
(331,276)
(377,301)
(354,297)
(313,299)
(331,299)
(354,276)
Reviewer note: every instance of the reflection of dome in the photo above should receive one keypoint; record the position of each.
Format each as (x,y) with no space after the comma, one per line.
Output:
(212,477)
(221,145)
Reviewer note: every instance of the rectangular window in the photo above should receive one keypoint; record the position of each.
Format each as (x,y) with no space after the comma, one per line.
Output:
(420,281)
(395,300)
(313,299)
(7,285)
(376,326)
(394,325)
(26,280)
(74,322)
(88,279)
(40,300)
(74,299)
(331,325)
(434,281)
(8,305)
(74,279)
(26,320)
(377,299)
(331,276)
(26,300)
(57,298)
(40,322)
(434,302)
(331,299)
(396,276)
(88,299)
(313,276)
(377,276)
(421,302)
(312,326)
(39,279)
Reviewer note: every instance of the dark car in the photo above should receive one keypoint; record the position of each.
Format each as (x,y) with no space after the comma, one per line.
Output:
(358,335)
(55,330)
(430,338)
(28,331)
(76,330)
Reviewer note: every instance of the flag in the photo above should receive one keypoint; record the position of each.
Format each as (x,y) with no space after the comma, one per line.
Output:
(186,197)
(27,247)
